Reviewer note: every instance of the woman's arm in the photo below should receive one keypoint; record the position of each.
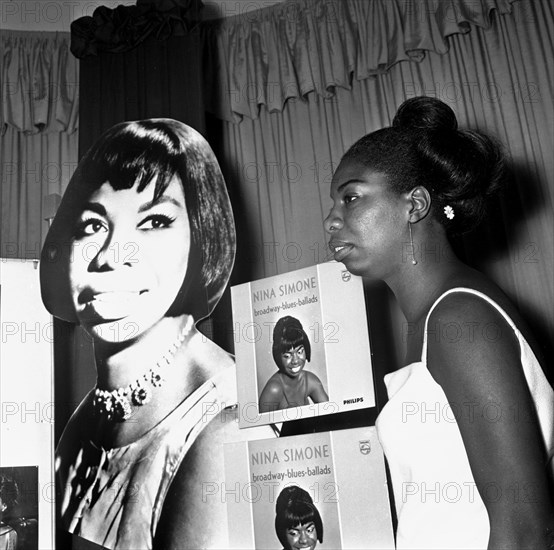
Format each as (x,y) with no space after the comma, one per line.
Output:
(194,513)
(316,391)
(481,374)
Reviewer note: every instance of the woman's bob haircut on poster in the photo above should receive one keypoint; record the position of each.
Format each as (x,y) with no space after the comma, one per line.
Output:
(295,507)
(133,154)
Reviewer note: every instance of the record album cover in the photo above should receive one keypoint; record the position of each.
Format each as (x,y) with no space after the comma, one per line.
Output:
(335,481)
(302,345)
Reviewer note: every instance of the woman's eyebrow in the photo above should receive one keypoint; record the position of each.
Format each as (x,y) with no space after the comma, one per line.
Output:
(160,200)
(343,185)
(96,207)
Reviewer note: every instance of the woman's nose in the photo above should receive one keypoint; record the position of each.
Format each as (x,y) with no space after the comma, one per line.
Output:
(333,221)
(112,253)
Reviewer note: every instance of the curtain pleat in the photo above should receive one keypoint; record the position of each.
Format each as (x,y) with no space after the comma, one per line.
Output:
(497,79)
(39,82)
(38,143)
(301,46)
(33,167)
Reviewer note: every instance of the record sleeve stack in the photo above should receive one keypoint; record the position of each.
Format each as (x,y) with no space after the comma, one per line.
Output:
(342,471)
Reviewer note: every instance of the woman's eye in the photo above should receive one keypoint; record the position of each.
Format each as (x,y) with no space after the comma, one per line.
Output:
(91,226)
(156,221)
(310,529)
(349,198)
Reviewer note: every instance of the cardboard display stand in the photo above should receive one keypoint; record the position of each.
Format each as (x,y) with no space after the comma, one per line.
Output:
(27,397)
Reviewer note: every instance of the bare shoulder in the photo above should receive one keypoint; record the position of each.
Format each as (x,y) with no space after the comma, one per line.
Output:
(194,513)
(312,378)
(466,307)
(273,386)
(207,352)
(466,328)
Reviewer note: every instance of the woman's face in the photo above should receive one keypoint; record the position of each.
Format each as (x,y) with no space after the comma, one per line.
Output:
(293,361)
(129,259)
(302,536)
(367,222)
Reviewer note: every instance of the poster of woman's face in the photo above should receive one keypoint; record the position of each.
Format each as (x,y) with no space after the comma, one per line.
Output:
(140,250)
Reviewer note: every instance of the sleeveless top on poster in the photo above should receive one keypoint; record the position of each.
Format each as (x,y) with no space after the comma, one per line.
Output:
(114,497)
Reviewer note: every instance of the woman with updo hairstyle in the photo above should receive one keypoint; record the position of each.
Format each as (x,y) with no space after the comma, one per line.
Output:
(141,249)
(468,430)
(291,385)
(297,520)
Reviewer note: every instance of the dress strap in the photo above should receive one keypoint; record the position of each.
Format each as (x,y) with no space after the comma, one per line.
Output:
(469,291)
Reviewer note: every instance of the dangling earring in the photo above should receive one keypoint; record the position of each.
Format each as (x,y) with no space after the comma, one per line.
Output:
(414,261)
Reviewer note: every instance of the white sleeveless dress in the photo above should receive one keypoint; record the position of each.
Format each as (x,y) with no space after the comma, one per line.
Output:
(437,502)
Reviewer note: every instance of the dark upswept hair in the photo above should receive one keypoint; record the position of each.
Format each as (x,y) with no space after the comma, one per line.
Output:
(287,334)
(132,154)
(295,507)
(464,169)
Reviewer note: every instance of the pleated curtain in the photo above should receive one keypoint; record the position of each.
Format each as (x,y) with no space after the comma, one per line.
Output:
(38,134)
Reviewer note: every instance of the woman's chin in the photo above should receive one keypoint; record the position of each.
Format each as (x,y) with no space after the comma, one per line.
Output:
(352,266)
(361,270)
(113,331)
(293,373)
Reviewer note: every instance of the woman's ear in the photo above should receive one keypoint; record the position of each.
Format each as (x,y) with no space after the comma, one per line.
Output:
(419,201)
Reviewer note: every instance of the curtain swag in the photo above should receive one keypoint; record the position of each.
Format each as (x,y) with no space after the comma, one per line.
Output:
(123,28)
(39,82)
(285,51)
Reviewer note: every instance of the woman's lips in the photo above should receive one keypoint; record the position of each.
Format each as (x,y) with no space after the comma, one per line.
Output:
(112,305)
(340,249)
(115,296)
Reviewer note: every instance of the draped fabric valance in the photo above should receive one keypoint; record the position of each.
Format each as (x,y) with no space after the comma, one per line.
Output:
(125,27)
(288,50)
(39,81)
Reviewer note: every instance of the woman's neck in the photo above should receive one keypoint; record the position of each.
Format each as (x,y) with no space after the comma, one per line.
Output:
(120,364)
(292,382)
(416,286)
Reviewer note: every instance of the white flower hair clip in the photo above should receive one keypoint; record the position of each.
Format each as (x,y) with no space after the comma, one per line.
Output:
(449,212)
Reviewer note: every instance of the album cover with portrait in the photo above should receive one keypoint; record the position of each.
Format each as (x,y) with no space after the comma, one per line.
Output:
(323,490)
(301,345)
